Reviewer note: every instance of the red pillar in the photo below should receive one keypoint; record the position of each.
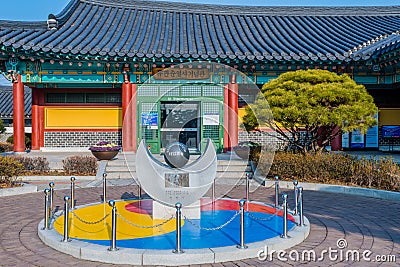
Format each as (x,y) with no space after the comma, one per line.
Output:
(35,120)
(126,116)
(134,116)
(226,118)
(18,109)
(336,144)
(233,111)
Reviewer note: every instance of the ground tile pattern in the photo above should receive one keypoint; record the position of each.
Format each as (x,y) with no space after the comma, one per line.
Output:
(364,223)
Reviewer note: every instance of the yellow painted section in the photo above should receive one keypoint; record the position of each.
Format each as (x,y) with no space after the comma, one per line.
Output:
(89,229)
(83,118)
(389,116)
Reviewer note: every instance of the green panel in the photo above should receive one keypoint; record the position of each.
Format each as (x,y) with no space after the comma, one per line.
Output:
(214,130)
(366,79)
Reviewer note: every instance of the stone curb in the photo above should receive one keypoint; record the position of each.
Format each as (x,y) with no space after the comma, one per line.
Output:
(341,189)
(93,252)
(24,189)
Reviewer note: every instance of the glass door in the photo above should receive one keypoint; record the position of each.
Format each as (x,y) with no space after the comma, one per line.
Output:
(180,122)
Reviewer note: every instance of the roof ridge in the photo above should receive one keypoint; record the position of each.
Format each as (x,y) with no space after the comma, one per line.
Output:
(249,10)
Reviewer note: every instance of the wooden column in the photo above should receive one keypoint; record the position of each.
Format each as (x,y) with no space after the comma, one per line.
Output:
(336,144)
(19,119)
(127,141)
(134,116)
(35,120)
(226,119)
(233,111)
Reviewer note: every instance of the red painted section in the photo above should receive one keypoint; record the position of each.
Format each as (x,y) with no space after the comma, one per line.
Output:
(134,117)
(18,109)
(35,120)
(127,144)
(226,118)
(142,207)
(336,144)
(233,112)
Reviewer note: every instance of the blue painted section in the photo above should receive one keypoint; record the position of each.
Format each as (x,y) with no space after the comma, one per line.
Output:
(195,238)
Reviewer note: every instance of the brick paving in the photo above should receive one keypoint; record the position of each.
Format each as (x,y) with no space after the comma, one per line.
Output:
(365,223)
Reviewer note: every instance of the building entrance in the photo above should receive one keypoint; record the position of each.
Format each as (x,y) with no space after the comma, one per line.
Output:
(180,122)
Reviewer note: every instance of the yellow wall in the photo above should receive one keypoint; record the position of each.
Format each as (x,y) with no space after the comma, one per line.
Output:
(389,116)
(83,118)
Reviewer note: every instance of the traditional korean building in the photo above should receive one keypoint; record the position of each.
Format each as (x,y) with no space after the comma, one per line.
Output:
(86,64)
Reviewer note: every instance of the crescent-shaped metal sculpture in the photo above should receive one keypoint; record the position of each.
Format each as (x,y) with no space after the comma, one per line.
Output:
(171,185)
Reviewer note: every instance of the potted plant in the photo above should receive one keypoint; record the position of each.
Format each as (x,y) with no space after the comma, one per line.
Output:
(105,150)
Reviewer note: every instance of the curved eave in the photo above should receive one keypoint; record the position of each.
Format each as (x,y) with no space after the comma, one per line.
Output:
(93,29)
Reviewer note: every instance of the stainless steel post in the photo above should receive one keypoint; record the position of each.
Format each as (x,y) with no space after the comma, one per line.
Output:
(285,216)
(66,219)
(46,209)
(178,248)
(104,187)
(247,187)
(296,200)
(51,185)
(301,214)
(241,205)
(213,191)
(114,226)
(72,192)
(276,191)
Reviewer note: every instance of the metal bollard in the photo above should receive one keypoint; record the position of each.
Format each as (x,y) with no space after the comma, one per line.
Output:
(296,200)
(72,192)
(46,209)
(114,226)
(241,205)
(178,248)
(276,191)
(213,192)
(66,219)
(285,216)
(247,187)
(51,185)
(104,187)
(139,191)
(301,214)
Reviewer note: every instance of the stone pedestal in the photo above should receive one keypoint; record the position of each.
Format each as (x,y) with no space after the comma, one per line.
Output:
(161,211)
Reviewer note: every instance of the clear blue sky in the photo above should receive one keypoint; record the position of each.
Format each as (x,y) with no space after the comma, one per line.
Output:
(39,9)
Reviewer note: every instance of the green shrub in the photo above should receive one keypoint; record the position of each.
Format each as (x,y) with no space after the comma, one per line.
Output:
(80,165)
(334,168)
(33,164)
(27,140)
(10,169)
(6,147)
(2,127)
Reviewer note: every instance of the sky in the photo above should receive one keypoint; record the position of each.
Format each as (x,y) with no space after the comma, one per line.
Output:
(39,9)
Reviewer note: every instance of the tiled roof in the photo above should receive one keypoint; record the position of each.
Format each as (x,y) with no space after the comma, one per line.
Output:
(138,29)
(6,102)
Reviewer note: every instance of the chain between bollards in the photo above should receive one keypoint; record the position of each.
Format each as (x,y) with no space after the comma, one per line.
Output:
(104,187)
(276,191)
(178,248)
(66,219)
(51,185)
(113,246)
(72,192)
(241,205)
(301,213)
(46,209)
(285,216)
(296,200)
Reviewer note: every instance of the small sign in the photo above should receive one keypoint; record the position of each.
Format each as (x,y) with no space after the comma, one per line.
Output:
(391,131)
(176,180)
(150,120)
(183,73)
(211,119)
(357,139)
